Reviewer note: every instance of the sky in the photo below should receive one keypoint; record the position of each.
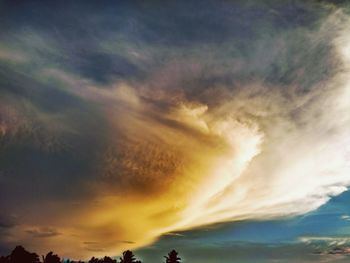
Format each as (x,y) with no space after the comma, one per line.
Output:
(218,128)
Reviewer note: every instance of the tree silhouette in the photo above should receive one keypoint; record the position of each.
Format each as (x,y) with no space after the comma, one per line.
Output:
(128,257)
(4,259)
(94,260)
(109,260)
(20,255)
(103,260)
(51,258)
(172,257)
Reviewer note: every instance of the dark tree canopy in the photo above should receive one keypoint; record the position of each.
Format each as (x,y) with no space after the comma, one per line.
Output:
(103,260)
(109,260)
(94,260)
(128,257)
(51,258)
(172,257)
(20,255)
(4,259)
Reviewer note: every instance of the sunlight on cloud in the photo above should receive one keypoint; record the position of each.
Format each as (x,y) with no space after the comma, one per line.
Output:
(175,161)
(282,157)
(258,154)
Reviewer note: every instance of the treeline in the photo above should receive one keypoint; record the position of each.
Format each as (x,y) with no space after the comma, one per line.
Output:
(20,255)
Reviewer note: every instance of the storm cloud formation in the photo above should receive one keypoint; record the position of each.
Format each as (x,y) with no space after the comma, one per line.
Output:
(131,120)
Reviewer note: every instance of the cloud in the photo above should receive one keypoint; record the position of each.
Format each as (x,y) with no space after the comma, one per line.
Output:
(7,221)
(127,242)
(345,217)
(174,234)
(330,240)
(328,245)
(43,232)
(240,121)
(93,246)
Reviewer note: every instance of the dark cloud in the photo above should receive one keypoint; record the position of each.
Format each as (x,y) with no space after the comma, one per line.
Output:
(7,221)
(43,232)
(127,242)
(93,246)
(335,250)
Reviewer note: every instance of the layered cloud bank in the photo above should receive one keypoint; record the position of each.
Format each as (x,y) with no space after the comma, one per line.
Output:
(136,128)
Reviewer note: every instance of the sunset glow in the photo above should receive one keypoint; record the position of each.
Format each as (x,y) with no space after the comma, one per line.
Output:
(139,130)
